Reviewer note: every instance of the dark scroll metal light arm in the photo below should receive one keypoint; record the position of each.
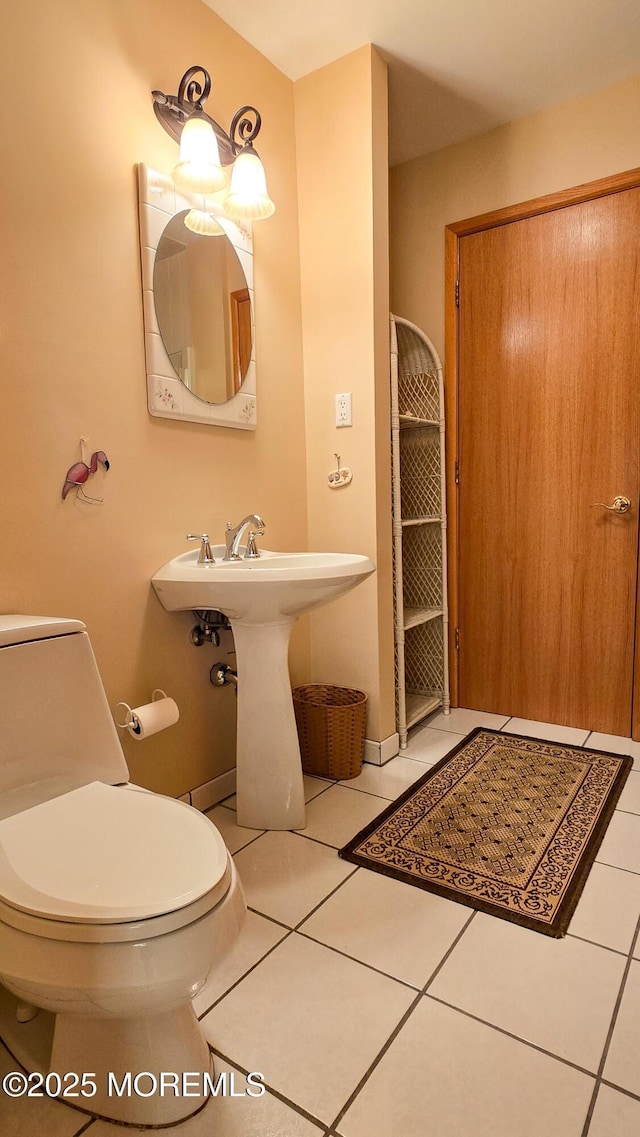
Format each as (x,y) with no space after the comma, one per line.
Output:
(172,111)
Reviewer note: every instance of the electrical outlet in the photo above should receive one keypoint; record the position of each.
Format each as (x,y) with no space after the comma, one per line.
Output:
(343,409)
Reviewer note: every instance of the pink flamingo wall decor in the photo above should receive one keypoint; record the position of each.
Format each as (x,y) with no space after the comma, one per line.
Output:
(78,473)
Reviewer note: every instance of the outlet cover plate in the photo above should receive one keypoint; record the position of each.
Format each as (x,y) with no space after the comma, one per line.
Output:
(343,409)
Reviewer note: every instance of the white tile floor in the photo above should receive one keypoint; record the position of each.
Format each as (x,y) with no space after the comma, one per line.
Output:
(372,1007)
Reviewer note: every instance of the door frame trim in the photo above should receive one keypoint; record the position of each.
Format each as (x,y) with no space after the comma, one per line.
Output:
(602,187)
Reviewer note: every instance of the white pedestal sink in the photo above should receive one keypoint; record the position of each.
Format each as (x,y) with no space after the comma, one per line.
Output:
(263,599)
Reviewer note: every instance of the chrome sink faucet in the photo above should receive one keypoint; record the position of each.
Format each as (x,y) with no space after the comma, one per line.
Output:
(233,537)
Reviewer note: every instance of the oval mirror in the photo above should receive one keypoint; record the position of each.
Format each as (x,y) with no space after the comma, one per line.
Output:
(203,310)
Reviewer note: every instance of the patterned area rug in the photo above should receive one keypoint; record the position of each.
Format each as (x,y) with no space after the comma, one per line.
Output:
(507,824)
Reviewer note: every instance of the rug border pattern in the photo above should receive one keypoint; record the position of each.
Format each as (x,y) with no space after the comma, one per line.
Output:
(558,925)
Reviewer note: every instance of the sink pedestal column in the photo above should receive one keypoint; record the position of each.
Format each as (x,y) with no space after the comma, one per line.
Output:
(269,790)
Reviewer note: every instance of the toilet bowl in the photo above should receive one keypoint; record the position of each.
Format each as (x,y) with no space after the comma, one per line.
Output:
(115,903)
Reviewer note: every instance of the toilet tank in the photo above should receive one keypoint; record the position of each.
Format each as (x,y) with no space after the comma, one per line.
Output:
(54,716)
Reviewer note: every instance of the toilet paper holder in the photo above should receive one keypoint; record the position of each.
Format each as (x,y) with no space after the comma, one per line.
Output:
(142,721)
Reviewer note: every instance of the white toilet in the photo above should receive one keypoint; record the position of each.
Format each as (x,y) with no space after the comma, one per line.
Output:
(115,903)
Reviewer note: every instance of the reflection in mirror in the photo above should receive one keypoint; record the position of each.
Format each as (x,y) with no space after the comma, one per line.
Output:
(203,310)
(167,396)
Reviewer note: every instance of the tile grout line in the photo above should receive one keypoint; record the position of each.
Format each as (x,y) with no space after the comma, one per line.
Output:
(357,790)
(438,968)
(299,926)
(324,899)
(361,962)
(371,793)
(608,865)
(463,733)
(85,1127)
(354,789)
(510,1034)
(330,783)
(289,930)
(232,809)
(378,1058)
(299,930)
(251,841)
(612,1025)
(395,1032)
(410,758)
(299,1109)
(594,943)
(272,919)
(316,840)
(620,1089)
(228,991)
(324,789)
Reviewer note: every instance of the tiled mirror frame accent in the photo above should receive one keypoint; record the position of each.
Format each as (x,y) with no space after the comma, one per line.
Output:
(167,396)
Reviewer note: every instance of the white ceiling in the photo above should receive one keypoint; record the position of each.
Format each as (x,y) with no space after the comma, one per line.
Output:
(456,67)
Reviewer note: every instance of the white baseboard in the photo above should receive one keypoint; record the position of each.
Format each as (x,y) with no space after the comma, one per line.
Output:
(210,793)
(379,753)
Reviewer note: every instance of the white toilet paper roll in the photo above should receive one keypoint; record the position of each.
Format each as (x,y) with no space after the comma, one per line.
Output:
(152,717)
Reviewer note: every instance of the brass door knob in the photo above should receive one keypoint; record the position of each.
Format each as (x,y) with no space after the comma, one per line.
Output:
(620,504)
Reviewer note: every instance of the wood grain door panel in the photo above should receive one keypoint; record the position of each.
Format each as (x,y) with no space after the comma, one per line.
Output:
(549,354)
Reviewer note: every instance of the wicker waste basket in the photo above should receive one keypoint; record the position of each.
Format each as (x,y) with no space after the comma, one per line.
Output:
(330,723)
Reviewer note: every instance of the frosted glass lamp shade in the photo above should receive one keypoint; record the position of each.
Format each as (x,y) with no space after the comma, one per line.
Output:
(199,221)
(248,198)
(198,169)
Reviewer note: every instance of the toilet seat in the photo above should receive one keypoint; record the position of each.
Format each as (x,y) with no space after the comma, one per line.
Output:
(73,931)
(117,854)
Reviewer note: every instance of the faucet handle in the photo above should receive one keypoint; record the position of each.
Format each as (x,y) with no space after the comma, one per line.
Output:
(253,551)
(206,556)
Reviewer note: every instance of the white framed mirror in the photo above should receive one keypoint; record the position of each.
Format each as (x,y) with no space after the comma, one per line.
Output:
(198,310)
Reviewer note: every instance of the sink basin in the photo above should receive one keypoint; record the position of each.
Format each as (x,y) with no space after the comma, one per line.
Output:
(263,599)
(274,586)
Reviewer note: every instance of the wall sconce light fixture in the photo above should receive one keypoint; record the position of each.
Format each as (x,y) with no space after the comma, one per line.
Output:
(206,148)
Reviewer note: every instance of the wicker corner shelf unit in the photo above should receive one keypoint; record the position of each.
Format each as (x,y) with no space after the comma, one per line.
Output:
(419,526)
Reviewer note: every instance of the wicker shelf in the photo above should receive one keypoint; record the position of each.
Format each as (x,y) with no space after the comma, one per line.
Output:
(419,530)
(414,616)
(419,706)
(413,420)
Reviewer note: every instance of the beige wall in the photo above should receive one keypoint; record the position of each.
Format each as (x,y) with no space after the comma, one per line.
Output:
(341,126)
(76,116)
(574,142)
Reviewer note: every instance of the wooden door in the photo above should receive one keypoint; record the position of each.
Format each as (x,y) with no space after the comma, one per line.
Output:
(240,335)
(548,395)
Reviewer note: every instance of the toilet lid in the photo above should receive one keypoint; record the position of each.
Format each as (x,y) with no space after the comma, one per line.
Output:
(108,854)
